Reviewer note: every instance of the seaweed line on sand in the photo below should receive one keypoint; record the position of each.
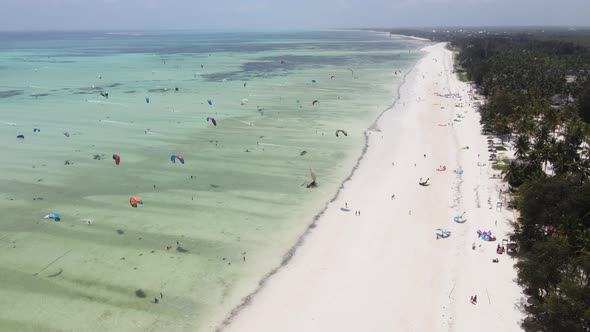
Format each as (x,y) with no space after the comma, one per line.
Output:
(301,239)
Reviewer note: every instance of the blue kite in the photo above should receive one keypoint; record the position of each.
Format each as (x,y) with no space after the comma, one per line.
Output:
(53,216)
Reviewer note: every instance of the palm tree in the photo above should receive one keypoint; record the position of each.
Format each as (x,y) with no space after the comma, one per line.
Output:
(524,122)
(542,146)
(522,146)
(561,163)
(566,157)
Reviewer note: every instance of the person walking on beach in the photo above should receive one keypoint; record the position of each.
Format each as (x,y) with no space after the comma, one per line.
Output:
(346,205)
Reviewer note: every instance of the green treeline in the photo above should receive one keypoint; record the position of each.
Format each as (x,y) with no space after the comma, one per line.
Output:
(538,97)
(537,93)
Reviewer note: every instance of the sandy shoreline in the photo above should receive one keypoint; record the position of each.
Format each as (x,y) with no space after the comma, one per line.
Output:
(418,38)
(385,270)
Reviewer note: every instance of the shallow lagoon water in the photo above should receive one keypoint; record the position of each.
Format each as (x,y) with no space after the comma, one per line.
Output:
(228,214)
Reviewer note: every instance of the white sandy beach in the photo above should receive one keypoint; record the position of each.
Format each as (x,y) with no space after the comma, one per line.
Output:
(385,270)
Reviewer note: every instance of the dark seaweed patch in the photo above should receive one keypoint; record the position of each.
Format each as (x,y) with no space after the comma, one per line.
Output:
(10,93)
(49,61)
(272,67)
(91,88)
(140,293)
(99,87)
(56,274)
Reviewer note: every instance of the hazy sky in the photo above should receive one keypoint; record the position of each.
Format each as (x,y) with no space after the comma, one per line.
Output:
(276,14)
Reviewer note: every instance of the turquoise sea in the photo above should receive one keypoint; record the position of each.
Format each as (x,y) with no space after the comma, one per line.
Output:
(210,228)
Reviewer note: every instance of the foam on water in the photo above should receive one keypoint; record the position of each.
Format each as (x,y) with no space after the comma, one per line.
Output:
(228,214)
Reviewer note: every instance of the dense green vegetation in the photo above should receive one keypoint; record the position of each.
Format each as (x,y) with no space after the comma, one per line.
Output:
(537,89)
